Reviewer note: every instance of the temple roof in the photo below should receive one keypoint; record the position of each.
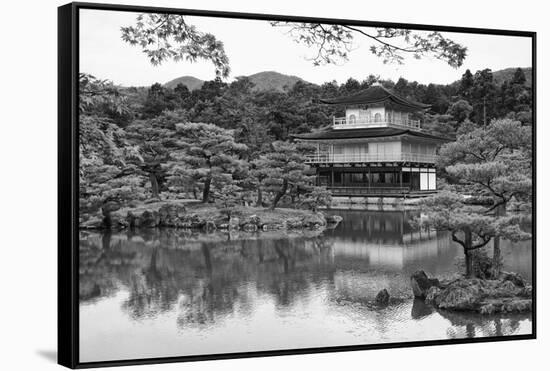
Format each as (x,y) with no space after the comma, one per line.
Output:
(366,133)
(376,94)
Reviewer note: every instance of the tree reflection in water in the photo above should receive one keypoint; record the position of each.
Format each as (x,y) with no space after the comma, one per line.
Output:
(208,278)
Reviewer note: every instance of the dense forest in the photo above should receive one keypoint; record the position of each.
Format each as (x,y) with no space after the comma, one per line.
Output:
(232,142)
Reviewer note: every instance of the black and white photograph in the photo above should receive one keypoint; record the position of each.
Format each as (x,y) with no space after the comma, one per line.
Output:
(248,184)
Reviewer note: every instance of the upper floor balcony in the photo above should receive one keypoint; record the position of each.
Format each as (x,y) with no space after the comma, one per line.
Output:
(348,158)
(350,122)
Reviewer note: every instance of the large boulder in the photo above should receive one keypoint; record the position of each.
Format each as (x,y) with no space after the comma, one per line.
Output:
(420,284)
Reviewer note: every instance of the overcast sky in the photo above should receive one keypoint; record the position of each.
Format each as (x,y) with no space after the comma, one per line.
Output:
(255,46)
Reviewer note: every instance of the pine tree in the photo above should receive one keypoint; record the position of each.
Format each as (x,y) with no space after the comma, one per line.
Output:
(155,140)
(466,85)
(285,169)
(483,96)
(208,154)
(107,177)
(467,224)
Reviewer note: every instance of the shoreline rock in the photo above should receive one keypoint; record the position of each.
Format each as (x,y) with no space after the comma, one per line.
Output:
(510,293)
(421,283)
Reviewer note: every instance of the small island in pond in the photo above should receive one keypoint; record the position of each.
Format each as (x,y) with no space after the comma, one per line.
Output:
(207,217)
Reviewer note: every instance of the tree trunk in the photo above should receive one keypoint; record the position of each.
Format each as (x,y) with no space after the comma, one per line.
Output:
(259,200)
(154,185)
(500,211)
(468,257)
(280,194)
(469,262)
(206,189)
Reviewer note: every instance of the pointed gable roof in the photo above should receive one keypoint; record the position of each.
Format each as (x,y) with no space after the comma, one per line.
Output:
(376,94)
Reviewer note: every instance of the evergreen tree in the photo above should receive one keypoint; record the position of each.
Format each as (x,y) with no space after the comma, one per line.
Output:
(107,177)
(467,224)
(155,139)
(483,96)
(208,154)
(285,169)
(466,85)
(159,99)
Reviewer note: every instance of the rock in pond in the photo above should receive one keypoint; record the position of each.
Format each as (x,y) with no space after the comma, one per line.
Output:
(420,284)
(383,297)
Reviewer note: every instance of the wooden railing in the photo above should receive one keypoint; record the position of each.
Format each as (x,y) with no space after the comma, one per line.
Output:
(328,158)
(361,191)
(343,123)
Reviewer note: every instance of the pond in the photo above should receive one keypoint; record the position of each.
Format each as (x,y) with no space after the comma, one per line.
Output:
(162,293)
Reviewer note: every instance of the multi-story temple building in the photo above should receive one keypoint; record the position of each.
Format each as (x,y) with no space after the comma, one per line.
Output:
(377,149)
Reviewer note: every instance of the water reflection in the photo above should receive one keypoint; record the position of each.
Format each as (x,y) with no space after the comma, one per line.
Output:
(173,292)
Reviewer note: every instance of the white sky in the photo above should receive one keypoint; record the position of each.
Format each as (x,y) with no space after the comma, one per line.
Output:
(254,46)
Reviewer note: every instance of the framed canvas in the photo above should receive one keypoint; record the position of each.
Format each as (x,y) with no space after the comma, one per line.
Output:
(240,185)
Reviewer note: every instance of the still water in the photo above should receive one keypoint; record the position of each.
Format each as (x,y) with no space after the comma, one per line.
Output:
(168,293)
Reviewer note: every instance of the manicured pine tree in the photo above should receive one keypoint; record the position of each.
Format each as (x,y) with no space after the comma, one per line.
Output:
(155,138)
(207,153)
(467,224)
(108,177)
(285,168)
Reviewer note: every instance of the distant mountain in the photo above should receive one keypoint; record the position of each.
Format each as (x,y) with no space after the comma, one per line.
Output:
(508,73)
(191,82)
(263,81)
(271,80)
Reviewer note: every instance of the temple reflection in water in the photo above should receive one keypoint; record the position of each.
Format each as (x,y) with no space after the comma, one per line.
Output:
(387,239)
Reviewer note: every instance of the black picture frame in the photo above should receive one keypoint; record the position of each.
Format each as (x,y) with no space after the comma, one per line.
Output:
(68,72)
